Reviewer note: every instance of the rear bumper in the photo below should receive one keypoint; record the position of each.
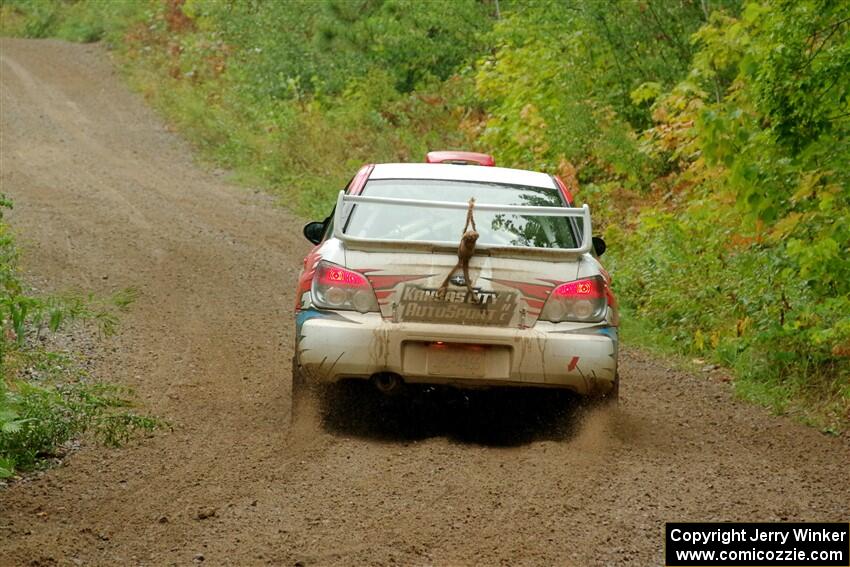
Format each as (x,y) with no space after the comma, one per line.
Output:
(332,346)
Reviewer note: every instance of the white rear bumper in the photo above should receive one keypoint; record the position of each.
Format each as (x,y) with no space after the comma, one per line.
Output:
(577,356)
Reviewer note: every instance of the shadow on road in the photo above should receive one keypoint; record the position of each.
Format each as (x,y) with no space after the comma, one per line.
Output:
(499,417)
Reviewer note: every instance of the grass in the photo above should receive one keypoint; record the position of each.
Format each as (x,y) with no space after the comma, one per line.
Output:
(47,399)
(39,417)
(822,405)
(73,21)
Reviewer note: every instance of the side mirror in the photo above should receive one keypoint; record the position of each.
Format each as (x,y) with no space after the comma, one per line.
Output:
(314,231)
(599,245)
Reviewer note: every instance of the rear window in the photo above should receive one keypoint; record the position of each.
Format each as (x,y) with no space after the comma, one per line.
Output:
(396,222)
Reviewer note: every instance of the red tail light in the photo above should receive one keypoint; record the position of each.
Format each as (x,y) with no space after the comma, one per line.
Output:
(582,300)
(334,275)
(591,288)
(335,287)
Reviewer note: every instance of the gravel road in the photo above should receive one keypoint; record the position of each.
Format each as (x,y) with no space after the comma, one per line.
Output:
(107,197)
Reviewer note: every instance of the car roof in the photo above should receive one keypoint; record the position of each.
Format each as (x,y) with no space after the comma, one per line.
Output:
(462,173)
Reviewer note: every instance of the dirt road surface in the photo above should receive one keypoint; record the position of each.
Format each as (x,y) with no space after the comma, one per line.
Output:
(106,197)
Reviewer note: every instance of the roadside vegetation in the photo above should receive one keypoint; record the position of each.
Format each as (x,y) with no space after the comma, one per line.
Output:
(46,398)
(710,137)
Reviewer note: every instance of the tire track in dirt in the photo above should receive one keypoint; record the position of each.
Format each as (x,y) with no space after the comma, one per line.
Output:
(107,198)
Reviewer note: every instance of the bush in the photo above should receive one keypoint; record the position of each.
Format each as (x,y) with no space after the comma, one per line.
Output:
(37,420)
(46,400)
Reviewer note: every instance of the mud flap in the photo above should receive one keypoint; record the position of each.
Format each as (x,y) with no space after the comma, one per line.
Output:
(607,398)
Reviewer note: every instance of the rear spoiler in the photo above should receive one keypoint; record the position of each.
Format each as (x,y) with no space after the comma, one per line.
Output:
(342,211)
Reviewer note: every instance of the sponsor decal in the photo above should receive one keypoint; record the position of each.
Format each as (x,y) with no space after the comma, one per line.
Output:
(421,304)
(529,290)
(307,314)
(381,282)
(384,284)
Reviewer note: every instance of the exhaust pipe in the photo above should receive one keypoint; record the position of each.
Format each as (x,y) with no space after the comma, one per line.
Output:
(387,382)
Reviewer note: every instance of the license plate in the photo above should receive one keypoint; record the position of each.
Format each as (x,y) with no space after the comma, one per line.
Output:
(456,361)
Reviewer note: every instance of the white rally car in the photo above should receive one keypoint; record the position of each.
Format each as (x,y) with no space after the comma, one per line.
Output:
(379,297)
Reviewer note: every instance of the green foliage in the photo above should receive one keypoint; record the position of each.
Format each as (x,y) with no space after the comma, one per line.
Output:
(300,111)
(765,229)
(74,20)
(326,44)
(574,82)
(22,314)
(46,400)
(36,420)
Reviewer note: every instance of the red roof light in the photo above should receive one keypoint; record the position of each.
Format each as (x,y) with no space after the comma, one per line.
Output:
(460,158)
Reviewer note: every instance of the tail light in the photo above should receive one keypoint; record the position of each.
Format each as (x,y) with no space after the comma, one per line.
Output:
(334,287)
(582,300)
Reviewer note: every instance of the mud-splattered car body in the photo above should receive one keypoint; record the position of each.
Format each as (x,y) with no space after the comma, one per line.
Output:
(541,312)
